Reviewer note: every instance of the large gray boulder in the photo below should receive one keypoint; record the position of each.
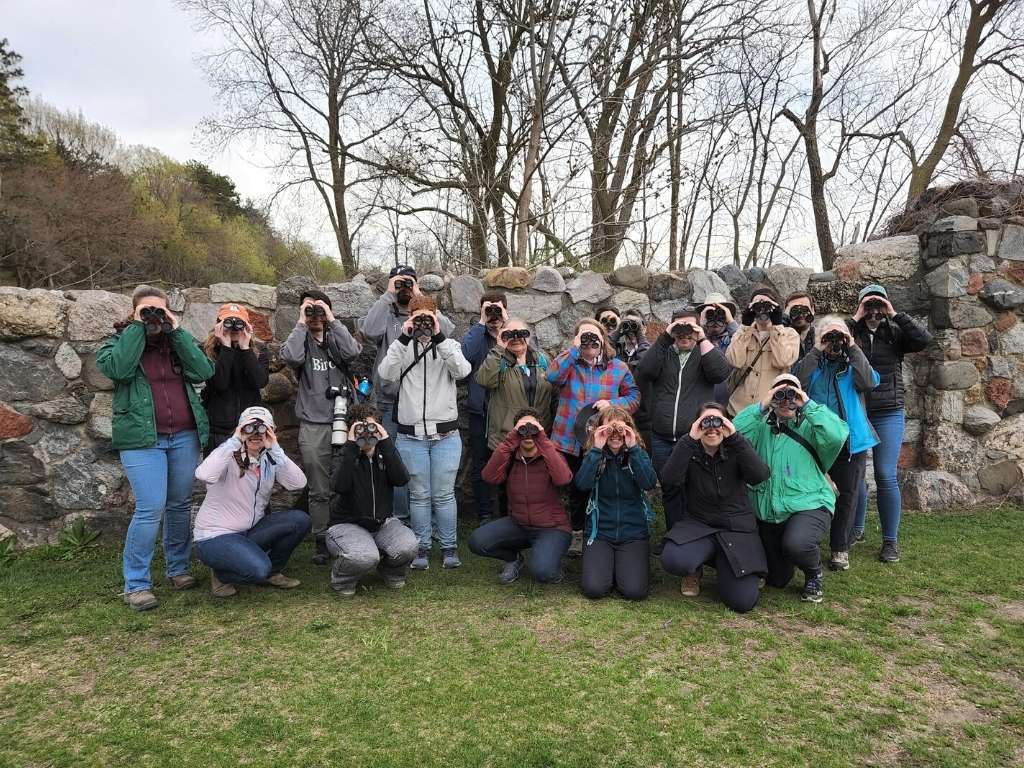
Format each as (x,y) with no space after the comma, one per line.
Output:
(931,490)
(92,314)
(883,261)
(948,280)
(633,276)
(253,294)
(352,299)
(589,287)
(703,282)
(958,374)
(1002,295)
(548,335)
(1011,341)
(547,280)
(431,283)
(101,414)
(68,361)
(198,319)
(28,378)
(534,307)
(1011,246)
(668,285)
(629,299)
(466,292)
(289,291)
(965,312)
(1000,478)
(25,313)
(979,419)
(63,410)
(787,279)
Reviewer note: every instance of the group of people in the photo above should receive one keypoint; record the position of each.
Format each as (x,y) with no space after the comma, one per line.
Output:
(756,425)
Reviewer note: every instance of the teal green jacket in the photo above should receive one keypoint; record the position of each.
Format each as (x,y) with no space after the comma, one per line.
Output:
(120,360)
(796,482)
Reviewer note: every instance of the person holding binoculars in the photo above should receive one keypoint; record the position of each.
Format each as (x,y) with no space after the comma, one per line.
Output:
(718,319)
(799,315)
(616,473)
(609,317)
(159,426)
(236,537)
(681,368)
(799,440)
(838,375)
(586,374)
(761,350)
(364,534)
(318,350)
(240,371)
(532,470)
(715,464)
(479,340)
(886,336)
(512,374)
(424,365)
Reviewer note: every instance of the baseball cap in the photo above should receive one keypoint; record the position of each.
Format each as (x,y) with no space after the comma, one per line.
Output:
(232,310)
(402,269)
(255,413)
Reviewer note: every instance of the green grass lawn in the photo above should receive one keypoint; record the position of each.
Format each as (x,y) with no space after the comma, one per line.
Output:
(917,664)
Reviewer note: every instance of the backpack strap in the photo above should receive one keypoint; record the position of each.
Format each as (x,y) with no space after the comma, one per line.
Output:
(792,433)
(398,393)
(746,371)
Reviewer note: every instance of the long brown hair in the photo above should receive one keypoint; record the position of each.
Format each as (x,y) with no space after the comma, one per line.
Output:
(212,346)
(141,292)
(615,413)
(607,349)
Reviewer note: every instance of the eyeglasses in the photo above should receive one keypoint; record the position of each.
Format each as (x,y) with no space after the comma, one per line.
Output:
(590,341)
(528,430)
(257,427)
(234,324)
(516,333)
(711,422)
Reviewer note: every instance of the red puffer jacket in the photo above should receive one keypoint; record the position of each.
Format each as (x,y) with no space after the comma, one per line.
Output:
(531,484)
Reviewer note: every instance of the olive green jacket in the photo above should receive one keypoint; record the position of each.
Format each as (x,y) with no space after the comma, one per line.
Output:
(120,360)
(507,391)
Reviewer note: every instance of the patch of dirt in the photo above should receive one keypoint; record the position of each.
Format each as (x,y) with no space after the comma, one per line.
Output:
(1012,610)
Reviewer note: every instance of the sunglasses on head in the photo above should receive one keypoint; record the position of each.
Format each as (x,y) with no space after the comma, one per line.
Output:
(518,333)
(711,422)
(590,340)
(528,429)
(254,427)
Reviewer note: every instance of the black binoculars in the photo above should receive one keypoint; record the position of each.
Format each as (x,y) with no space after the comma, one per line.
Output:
(518,333)
(715,316)
(234,324)
(405,284)
(630,328)
(152,315)
(681,331)
(493,312)
(528,430)
(257,427)
(315,310)
(800,311)
(364,429)
(835,338)
(874,306)
(786,395)
(711,422)
(590,340)
(423,325)
(611,322)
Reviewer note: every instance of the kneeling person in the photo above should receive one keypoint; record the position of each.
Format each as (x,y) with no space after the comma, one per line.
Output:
(235,538)
(715,464)
(364,534)
(532,470)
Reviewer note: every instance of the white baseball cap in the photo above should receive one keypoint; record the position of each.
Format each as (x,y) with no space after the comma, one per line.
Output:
(257,412)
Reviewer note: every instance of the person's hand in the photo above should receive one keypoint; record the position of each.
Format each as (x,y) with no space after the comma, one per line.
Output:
(728,428)
(238,434)
(415,287)
(801,397)
(382,434)
(696,432)
(859,314)
(576,340)
(172,319)
(245,337)
(391,284)
(766,401)
(698,334)
(270,438)
(630,436)
(302,310)
(221,334)
(350,436)
(890,311)
(728,312)
(601,436)
(327,310)
(500,341)
(600,405)
(407,326)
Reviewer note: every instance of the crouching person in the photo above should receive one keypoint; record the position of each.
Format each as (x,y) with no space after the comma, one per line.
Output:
(715,464)
(234,535)
(527,463)
(364,534)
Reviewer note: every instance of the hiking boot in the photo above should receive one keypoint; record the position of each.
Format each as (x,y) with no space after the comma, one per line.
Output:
(142,600)
(813,592)
(510,573)
(182,581)
(890,552)
(281,581)
(576,545)
(840,561)
(422,560)
(394,582)
(219,589)
(349,590)
(691,584)
(451,558)
(858,537)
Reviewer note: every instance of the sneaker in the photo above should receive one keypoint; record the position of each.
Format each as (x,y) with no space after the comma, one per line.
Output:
(451,558)
(812,591)
(422,560)
(142,600)
(510,573)
(182,581)
(576,545)
(890,552)
(858,537)
(691,584)
(219,589)
(394,583)
(281,581)
(840,561)
(346,591)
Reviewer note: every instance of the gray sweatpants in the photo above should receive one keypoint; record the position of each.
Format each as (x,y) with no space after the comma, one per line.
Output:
(315,447)
(357,551)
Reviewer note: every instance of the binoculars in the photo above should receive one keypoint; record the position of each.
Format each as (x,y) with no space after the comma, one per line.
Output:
(493,312)
(611,322)
(801,311)
(835,338)
(786,395)
(715,316)
(711,422)
(518,333)
(617,428)
(423,325)
(234,324)
(630,328)
(681,331)
(590,341)
(365,429)
(315,310)
(156,321)
(528,430)
(405,284)
(874,306)
(254,427)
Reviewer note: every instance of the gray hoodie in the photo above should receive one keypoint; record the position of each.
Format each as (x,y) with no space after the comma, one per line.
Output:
(383,324)
(316,369)
(427,404)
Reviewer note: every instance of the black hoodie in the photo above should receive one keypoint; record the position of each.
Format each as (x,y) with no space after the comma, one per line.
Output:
(365,484)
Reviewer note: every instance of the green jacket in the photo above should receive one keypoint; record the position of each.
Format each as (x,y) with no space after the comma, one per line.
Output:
(796,482)
(120,360)
(509,393)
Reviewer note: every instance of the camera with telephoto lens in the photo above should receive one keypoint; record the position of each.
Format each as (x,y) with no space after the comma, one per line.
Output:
(711,422)
(234,324)
(156,321)
(610,322)
(590,341)
(365,433)
(517,333)
(786,396)
(528,430)
(630,328)
(404,284)
(315,310)
(681,331)
(715,316)
(339,420)
(423,326)
(493,312)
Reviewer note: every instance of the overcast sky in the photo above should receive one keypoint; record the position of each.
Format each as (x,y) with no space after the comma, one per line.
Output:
(127,64)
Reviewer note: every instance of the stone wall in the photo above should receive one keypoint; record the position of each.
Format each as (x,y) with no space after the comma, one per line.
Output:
(965,398)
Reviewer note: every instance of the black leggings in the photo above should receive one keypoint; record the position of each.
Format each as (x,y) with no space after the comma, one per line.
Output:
(794,544)
(624,565)
(740,594)
(848,474)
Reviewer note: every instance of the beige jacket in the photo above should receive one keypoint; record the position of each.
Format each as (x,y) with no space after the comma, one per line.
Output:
(780,352)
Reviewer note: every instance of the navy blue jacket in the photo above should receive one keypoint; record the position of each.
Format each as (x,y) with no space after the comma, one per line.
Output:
(475,345)
(621,512)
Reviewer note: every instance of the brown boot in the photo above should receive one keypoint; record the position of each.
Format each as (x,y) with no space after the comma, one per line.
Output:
(182,581)
(281,581)
(142,600)
(219,589)
(691,584)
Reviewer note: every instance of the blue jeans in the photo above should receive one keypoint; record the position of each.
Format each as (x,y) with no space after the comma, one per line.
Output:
(671,494)
(400,496)
(481,454)
(161,478)
(886,455)
(433,466)
(250,557)
(504,538)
